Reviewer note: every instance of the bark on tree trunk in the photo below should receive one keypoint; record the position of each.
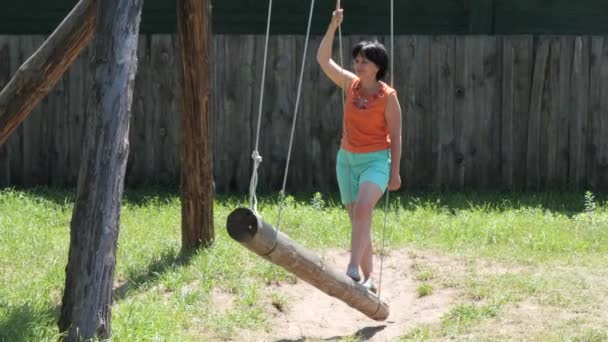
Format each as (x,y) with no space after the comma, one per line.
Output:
(37,76)
(87,298)
(196,124)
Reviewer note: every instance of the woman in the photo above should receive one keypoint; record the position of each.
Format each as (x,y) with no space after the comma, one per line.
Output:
(370,151)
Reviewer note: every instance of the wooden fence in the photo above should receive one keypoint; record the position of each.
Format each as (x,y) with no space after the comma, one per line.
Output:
(480,112)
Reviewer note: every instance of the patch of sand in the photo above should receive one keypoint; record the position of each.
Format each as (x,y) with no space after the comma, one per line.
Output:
(310,314)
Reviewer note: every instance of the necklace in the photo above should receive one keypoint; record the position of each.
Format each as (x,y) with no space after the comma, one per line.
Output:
(362,101)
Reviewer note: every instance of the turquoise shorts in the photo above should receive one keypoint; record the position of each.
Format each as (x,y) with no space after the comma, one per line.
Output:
(353,169)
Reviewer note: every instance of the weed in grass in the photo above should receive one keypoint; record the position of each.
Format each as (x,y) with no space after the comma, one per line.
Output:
(423,272)
(424,290)
(574,330)
(462,316)
(352,338)
(189,296)
(279,302)
(503,288)
(317,201)
(590,205)
(417,334)
(555,298)
(591,335)
(27,322)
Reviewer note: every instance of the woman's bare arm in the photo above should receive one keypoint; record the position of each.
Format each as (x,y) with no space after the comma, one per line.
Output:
(341,77)
(393,120)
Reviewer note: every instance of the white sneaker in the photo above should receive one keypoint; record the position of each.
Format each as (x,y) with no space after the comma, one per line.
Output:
(370,286)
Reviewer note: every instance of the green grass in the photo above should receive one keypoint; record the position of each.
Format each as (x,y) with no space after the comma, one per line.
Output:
(558,243)
(424,290)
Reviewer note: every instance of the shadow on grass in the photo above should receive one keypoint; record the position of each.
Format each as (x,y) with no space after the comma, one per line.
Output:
(19,323)
(170,260)
(364,334)
(567,203)
(135,196)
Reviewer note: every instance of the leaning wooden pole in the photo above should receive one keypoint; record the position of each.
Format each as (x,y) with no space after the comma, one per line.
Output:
(86,309)
(37,76)
(260,237)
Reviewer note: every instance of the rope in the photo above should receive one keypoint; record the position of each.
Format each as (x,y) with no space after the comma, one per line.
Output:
(295,116)
(257,158)
(392,70)
(343,98)
(383,240)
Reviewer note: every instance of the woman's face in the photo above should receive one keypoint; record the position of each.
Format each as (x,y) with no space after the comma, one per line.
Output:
(364,68)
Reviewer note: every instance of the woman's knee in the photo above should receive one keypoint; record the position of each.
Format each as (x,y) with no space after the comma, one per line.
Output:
(363,209)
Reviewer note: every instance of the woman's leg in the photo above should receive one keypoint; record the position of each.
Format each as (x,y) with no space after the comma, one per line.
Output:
(367,264)
(368,196)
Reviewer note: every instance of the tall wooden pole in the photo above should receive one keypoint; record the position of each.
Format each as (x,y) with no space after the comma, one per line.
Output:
(37,76)
(261,238)
(87,297)
(194,32)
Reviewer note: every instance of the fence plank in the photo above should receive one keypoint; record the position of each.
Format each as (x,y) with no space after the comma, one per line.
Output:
(237,116)
(516,80)
(549,140)
(56,120)
(5,76)
(524,63)
(135,173)
(579,107)
(508,112)
(602,160)
(422,116)
(595,112)
(81,81)
(562,164)
(469,59)
(533,176)
(604,115)
(34,162)
(307,147)
(489,113)
(442,82)
(463,107)
(405,84)
(164,130)
(15,141)
(277,117)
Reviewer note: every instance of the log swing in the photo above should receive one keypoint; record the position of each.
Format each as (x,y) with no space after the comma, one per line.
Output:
(246,227)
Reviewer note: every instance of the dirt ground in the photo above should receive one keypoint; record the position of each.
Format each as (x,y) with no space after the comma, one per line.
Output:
(312,315)
(568,304)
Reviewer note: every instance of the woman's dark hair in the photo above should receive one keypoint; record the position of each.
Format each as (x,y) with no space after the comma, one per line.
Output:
(375,52)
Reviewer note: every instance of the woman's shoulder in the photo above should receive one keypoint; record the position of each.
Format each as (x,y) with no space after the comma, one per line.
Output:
(386,89)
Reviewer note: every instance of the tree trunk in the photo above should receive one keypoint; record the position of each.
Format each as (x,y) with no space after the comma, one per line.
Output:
(196,124)
(37,76)
(87,298)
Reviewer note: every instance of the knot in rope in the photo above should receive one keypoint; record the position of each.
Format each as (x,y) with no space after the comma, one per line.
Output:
(253,201)
(257,158)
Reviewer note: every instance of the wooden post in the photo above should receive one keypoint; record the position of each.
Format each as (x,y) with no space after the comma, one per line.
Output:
(260,237)
(37,76)
(87,297)
(194,36)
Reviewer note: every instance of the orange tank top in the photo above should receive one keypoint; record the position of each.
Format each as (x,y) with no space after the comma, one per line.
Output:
(365,128)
